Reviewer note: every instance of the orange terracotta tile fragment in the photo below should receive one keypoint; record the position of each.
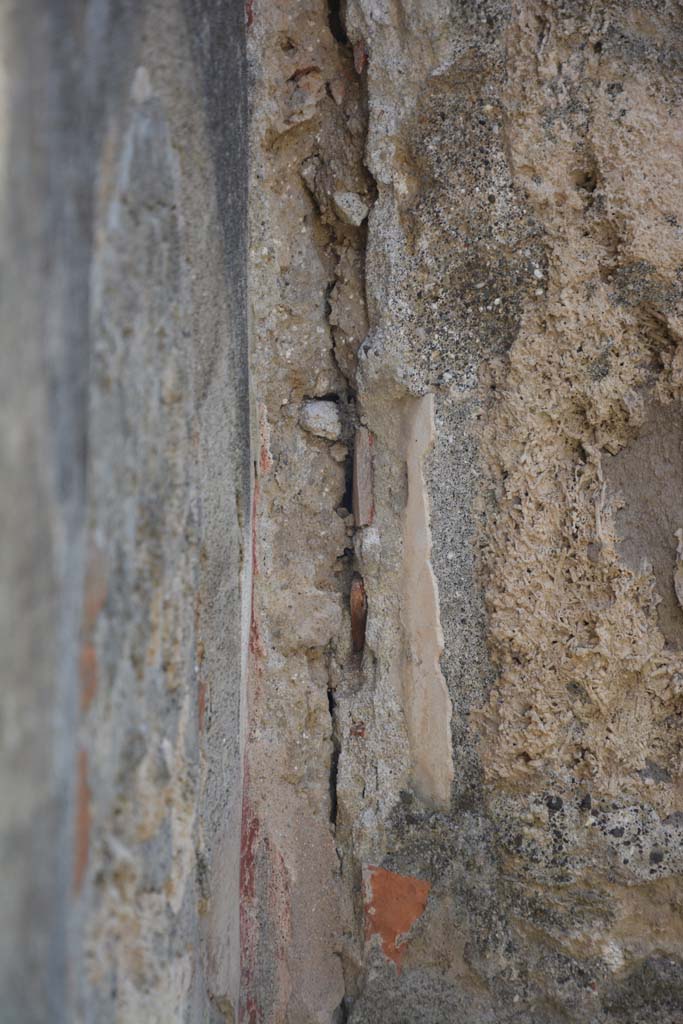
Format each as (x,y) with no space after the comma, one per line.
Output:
(392,906)
(359,612)
(360,57)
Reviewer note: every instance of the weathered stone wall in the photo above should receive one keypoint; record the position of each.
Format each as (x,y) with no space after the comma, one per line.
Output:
(125,509)
(505,751)
(342,620)
(524,265)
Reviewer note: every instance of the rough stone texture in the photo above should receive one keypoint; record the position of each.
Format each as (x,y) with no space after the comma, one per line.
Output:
(321,419)
(341,622)
(308,317)
(523,265)
(125,506)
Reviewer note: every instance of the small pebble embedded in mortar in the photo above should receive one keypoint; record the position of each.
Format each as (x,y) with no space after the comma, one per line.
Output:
(350,207)
(321,418)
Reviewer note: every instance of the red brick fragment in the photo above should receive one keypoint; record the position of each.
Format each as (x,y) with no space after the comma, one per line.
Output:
(87,668)
(393,903)
(358,604)
(360,57)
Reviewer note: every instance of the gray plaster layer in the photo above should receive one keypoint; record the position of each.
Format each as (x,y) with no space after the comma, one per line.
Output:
(125,504)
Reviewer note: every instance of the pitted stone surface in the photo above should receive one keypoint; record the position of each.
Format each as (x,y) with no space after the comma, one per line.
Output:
(342,630)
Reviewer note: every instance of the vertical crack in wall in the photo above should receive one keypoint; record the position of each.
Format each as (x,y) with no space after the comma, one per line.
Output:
(509,272)
(310,199)
(336,22)
(334,758)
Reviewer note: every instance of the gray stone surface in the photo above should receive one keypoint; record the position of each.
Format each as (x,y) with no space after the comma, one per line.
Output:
(125,508)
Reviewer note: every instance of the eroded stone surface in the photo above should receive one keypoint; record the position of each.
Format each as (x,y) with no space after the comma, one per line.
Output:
(645,483)
(373,714)
(129,436)
(514,270)
(308,318)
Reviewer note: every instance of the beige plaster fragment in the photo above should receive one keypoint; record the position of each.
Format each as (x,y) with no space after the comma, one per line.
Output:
(426,700)
(363,500)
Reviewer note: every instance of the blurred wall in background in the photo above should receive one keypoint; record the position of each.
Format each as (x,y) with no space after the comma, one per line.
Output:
(124,505)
